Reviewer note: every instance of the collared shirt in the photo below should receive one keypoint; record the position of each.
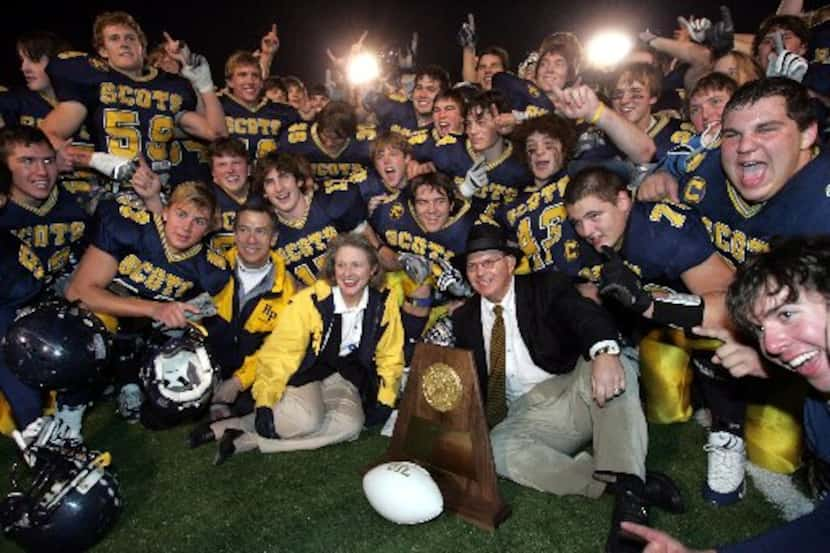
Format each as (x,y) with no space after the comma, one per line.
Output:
(351,328)
(522,373)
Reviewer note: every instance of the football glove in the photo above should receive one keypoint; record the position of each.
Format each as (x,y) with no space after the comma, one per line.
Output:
(783,63)
(416,267)
(467,33)
(441,333)
(619,282)
(451,280)
(720,37)
(264,423)
(697,27)
(475,178)
(115,167)
(197,71)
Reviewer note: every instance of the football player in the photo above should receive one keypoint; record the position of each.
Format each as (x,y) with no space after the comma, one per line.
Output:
(536,219)
(634,93)
(391,154)
(257,122)
(409,116)
(428,220)
(484,165)
(766,179)
(335,144)
(148,266)
(132,109)
(308,219)
(230,171)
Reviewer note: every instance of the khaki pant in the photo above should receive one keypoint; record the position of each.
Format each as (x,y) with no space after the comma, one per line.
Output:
(307,417)
(541,444)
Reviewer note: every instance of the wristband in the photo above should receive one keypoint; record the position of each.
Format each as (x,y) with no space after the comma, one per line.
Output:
(680,310)
(597,114)
(609,347)
(421,302)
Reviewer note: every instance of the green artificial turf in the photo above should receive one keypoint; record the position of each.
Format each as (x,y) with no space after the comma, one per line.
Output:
(176,501)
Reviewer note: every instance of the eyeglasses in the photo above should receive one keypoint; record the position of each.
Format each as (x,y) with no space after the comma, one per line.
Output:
(487,264)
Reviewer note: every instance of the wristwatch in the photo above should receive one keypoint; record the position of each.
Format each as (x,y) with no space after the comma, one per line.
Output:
(610,347)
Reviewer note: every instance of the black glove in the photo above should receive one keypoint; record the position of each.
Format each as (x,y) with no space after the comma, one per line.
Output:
(265,423)
(720,37)
(377,415)
(620,283)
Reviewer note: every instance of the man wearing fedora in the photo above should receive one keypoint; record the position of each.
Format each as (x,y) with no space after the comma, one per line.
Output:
(554,383)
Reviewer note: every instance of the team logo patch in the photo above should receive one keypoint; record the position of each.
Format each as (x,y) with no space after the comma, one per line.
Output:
(396,211)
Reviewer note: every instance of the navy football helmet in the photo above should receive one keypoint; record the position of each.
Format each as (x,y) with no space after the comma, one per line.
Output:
(68,501)
(57,345)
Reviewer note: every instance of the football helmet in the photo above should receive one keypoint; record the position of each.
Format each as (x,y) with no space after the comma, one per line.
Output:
(57,345)
(66,502)
(179,377)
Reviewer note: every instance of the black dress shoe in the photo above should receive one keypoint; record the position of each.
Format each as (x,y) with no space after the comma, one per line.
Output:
(226,446)
(629,506)
(662,492)
(201,434)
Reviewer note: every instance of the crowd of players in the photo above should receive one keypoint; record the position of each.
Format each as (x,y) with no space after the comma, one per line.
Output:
(273,216)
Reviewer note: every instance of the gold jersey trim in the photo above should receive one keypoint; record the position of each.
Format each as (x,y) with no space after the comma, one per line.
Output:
(490,165)
(45,207)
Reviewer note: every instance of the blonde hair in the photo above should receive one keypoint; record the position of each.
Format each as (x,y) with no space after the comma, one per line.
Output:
(198,194)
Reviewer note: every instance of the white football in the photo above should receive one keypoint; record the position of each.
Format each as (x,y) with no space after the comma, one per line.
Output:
(403,492)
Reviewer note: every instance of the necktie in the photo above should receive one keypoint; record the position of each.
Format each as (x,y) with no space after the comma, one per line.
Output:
(496,403)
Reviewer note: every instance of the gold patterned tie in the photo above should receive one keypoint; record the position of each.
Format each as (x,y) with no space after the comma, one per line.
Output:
(496,403)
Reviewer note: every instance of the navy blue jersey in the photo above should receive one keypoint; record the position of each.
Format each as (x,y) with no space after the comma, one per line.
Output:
(523,95)
(260,127)
(222,239)
(125,116)
(668,132)
(395,113)
(56,231)
(662,241)
(454,155)
(739,229)
(22,106)
(369,183)
(147,265)
(21,275)
(396,222)
(336,207)
(302,138)
(674,91)
(538,221)
(423,142)
(189,157)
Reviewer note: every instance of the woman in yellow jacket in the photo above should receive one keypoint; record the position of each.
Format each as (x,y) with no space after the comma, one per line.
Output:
(333,362)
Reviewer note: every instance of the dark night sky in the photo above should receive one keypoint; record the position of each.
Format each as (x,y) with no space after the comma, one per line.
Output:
(306,27)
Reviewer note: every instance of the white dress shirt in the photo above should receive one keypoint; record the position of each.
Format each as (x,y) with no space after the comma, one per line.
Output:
(352,320)
(521,372)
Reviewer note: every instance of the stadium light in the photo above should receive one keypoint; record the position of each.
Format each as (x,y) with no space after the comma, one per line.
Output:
(362,69)
(607,48)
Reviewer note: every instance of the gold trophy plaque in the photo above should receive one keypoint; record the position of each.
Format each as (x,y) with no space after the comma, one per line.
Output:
(441,426)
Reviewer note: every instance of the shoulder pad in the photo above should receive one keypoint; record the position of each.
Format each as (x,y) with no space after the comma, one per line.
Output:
(447,140)
(216,259)
(132,208)
(69,54)
(359,176)
(398,97)
(366,132)
(298,132)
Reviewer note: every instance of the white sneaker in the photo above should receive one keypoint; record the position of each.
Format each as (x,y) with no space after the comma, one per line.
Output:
(725,483)
(129,402)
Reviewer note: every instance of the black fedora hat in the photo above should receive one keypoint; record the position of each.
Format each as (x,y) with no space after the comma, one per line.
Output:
(486,236)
